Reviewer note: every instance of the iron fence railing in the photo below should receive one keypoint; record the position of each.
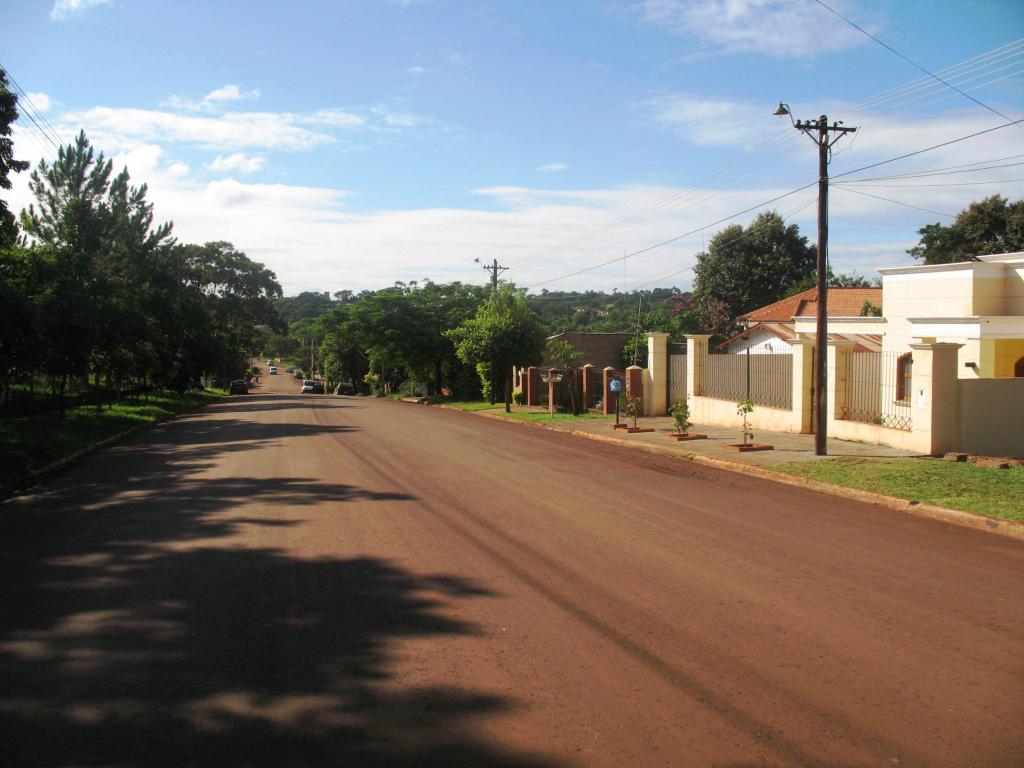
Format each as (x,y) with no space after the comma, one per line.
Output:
(878,388)
(676,376)
(765,379)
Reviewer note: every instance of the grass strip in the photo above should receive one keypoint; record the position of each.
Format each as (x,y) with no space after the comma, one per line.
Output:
(956,485)
(29,443)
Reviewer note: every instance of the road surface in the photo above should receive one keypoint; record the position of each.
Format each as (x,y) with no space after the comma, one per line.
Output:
(285,580)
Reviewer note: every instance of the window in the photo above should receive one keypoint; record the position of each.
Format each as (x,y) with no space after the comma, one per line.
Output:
(904,377)
(1018,368)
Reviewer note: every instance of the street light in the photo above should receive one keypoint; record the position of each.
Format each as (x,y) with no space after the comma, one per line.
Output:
(824,142)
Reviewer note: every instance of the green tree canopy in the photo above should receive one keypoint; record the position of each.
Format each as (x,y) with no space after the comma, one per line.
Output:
(747,268)
(8,165)
(503,333)
(992,225)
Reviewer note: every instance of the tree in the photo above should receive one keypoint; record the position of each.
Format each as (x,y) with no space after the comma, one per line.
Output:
(8,165)
(747,268)
(569,358)
(992,225)
(505,332)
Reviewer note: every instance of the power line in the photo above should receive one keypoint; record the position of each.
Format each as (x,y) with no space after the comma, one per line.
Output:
(951,184)
(910,61)
(896,202)
(677,237)
(688,198)
(945,171)
(780,197)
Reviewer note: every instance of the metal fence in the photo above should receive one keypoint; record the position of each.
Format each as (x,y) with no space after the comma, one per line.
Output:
(765,379)
(878,389)
(676,377)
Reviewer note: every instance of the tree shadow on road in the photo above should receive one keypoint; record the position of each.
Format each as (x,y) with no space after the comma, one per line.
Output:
(136,629)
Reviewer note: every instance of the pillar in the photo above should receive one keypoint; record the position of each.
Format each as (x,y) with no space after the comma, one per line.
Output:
(803,375)
(635,382)
(696,357)
(588,394)
(839,366)
(531,386)
(656,375)
(934,397)
(609,401)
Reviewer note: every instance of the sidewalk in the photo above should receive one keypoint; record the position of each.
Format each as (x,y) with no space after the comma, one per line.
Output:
(788,446)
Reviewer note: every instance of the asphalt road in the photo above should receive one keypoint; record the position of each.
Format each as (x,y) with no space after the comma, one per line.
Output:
(287,580)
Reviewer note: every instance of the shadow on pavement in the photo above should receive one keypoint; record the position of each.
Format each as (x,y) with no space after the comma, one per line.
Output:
(135,632)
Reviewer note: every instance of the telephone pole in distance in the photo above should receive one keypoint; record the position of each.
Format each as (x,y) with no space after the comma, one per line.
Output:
(495,269)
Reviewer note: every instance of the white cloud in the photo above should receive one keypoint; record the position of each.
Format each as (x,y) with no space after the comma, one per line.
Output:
(64,8)
(38,101)
(781,28)
(237,162)
(314,240)
(336,118)
(215,99)
(416,70)
(553,168)
(118,129)
(230,92)
(707,121)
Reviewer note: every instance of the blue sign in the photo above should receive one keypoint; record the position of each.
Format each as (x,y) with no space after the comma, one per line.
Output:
(615,385)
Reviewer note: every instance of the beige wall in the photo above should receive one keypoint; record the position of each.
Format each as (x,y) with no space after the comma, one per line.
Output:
(708,410)
(991,420)
(1005,354)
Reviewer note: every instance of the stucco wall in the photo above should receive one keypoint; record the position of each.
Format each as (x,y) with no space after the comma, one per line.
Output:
(991,417)
(709,410)
(1006,353)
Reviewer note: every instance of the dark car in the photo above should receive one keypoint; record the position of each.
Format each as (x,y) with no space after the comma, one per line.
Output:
(344,388)
(238,387)
(310,387)
(297,373)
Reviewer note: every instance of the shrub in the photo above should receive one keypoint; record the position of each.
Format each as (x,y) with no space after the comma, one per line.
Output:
(680,412)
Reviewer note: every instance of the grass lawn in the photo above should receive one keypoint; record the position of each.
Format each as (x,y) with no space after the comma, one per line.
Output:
(534,414)
(993,492)
(33,442)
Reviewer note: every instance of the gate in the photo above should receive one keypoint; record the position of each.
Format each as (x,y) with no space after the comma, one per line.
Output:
(676,377)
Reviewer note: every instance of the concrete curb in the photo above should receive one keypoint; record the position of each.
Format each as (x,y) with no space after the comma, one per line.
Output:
(1008,528)
(11,489)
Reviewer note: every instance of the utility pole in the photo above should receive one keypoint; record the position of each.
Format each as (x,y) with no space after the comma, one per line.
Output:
(818,131)
(495,269)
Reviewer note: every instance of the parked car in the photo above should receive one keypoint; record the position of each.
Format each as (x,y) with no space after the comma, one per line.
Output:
(297,373)
(311,387)
(273,370)
(344,388)
(290,369)
(238,387)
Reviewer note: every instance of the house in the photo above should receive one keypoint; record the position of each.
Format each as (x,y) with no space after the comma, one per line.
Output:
(941,368)
(773,329)
(977,304)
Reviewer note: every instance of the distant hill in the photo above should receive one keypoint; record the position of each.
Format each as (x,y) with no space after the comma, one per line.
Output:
(596,311)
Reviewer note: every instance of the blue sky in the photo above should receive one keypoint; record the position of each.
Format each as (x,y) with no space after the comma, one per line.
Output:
(353,144)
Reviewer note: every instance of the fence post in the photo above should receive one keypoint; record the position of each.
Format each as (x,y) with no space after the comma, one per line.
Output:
(839,363)
(802,376)
(608,406)
(934,403)
(531,385)
(696,359)
(588,394)
(656,376)
(635,383)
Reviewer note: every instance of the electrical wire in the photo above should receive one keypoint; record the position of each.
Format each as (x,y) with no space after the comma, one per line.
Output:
(888,47)
(768,202)
(896,202)
(688,198)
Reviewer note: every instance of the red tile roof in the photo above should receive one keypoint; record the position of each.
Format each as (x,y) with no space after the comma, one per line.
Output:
(842,302)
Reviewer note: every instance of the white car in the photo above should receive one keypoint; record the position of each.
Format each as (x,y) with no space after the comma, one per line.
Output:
(273,370)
